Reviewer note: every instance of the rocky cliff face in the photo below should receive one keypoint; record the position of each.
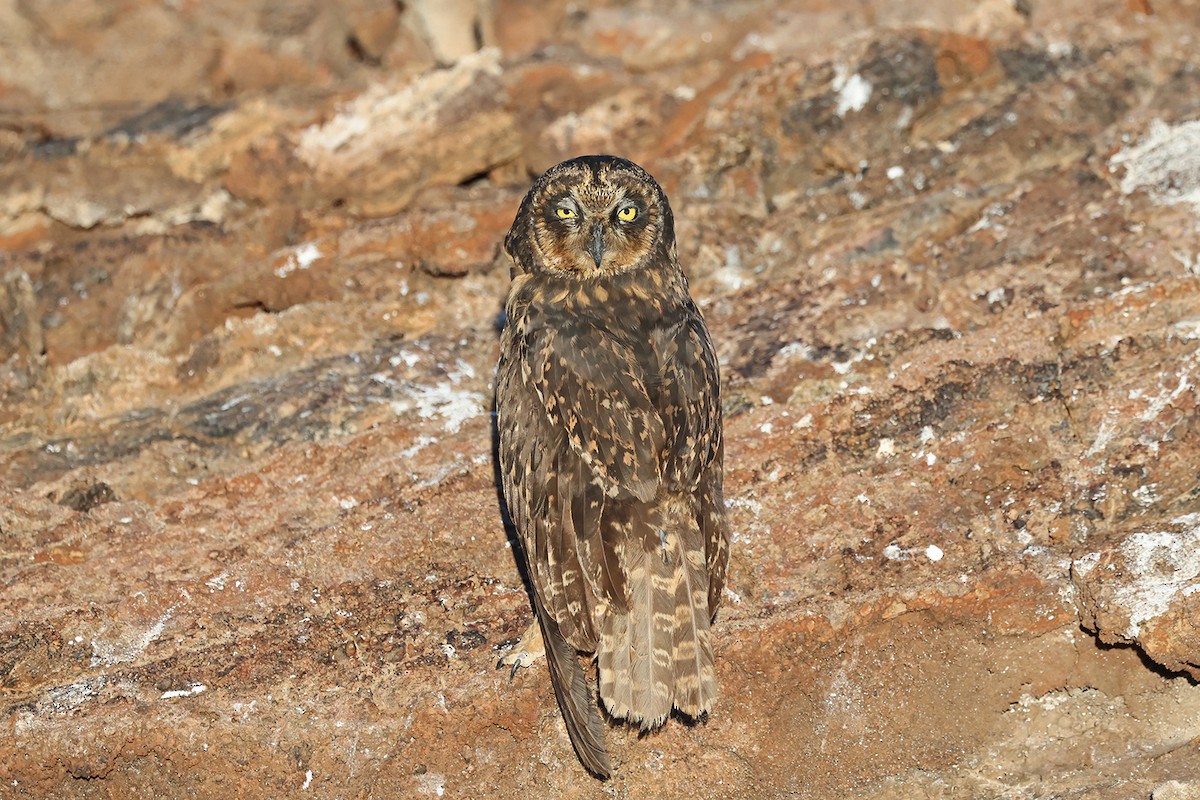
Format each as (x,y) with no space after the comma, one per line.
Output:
(250,279)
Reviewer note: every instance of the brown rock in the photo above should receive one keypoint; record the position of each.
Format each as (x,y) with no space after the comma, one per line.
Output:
(628,117)
(545,92)
(656,38)
(1145,591)
(250,68)
(1177,790)
(524,26)
(391,142)
(452,28)
(375,29)
(20,326)
(265,172)
(46,47)
(962,58)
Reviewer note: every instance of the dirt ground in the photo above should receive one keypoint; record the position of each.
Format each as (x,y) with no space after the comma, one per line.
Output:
(250,294)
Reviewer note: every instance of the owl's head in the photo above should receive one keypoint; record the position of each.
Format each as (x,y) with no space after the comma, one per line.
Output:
(592,216)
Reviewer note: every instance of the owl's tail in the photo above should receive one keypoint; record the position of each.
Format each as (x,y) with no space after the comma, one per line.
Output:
(658,656)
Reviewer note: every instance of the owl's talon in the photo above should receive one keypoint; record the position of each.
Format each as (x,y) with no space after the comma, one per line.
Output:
(524,652)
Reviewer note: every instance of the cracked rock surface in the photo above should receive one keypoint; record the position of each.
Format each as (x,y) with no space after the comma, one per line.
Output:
(250,294)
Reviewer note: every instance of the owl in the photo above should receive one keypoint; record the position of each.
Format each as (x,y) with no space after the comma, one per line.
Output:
(610,450)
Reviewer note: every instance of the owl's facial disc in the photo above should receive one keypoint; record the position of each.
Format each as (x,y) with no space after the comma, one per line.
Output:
(597,229)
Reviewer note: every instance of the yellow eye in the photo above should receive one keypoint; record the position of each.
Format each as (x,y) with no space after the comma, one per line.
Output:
(627,214)
(564,213)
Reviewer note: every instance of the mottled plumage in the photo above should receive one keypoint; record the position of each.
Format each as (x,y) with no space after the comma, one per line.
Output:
(609,419)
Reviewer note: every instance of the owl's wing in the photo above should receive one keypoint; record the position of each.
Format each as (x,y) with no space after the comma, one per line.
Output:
(533,493)
(690,403)
(592,388)
(602,450)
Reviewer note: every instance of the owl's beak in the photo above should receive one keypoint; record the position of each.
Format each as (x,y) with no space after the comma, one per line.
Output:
(596,244)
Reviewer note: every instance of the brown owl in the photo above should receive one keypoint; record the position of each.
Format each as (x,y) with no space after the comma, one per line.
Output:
(609,418)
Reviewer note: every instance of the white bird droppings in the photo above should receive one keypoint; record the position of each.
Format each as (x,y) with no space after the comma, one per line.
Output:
(194,689)
(854,92)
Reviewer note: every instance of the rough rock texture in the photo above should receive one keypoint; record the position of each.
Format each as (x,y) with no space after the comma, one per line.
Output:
(386,146)
(250,284)
(1145,590)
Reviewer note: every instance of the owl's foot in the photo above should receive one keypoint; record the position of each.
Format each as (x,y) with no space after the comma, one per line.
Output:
(524,652)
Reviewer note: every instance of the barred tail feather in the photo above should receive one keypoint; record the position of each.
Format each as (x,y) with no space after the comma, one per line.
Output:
(612,660)
(653,632)
(634,657)
(657,654)
(695,673)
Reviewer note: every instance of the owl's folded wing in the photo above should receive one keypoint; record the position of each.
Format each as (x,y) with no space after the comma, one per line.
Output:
(688,397)
(592,389)
(691,408)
